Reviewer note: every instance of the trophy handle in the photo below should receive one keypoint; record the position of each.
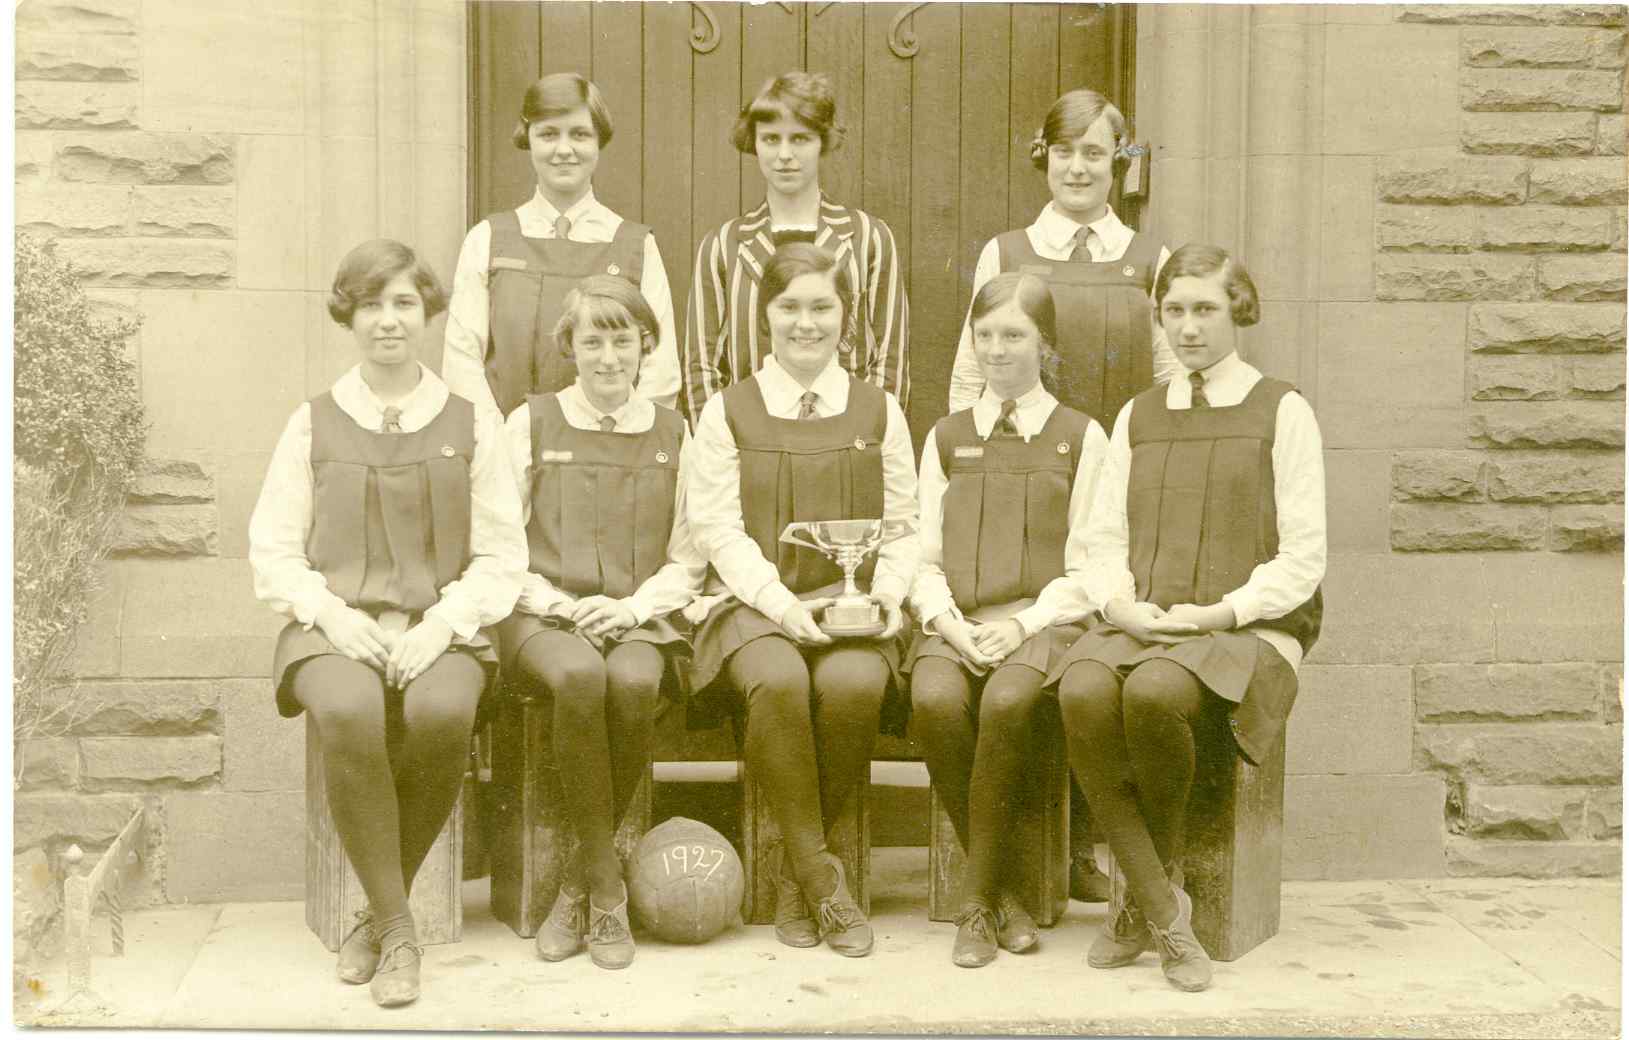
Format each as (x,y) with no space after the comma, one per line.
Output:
(794,535)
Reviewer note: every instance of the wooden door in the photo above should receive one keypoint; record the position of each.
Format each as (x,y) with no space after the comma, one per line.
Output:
(940,101)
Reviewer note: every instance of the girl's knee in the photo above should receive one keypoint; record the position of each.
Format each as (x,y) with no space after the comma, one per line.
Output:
(1007,703)
(633,673)
(1161,687)
(854,681)
(770,668)
(939,690)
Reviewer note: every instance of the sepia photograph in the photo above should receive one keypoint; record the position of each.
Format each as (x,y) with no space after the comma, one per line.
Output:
(819,517)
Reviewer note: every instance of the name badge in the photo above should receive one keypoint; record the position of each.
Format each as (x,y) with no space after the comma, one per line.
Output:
(549,455)
(969,452)
(506,263)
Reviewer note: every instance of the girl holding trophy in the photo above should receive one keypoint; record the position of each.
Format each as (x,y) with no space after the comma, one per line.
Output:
(802,440)
(1003,486)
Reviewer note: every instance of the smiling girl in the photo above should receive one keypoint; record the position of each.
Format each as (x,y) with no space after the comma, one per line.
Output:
(789,128)
(388,533)
(611,560)
(516,266)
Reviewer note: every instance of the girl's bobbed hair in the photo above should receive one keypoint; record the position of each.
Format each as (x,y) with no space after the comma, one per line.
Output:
(369,267)
(1033,297)
(1072,115)
(605,302)
(790,262)
(553,96)
(804,96)
(1197,260)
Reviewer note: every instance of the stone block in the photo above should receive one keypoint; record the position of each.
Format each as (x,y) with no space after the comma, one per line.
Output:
(1451,475)
(36,897)
(89,819)
(1519,378)
(1439,177)
(1524,813)
(255,378)
(1596,377)
(1445,599)
(1351,720)
(1339,828)
(1577,424)
(80,16)
(33,155)
(55,208)
(1619,229)
(143,158)
(113,761)
(1610,135)
(1604,817)
(1468,857)
(50,105)
(1583,278)
(254,82)
(239,476)
(192,618)
(1453,527)
(1357,490)
(167,530)
(228,846)
(172,481)
(1421,112)
(1611,676)
(148,709)
(1537,48)
(188,212)
(96,643)
(1346,270)
(1550,228)
(1436,229)
(1578,182)
(1391,375)
(150,262)
(1543,90)
(1586,529)
(1513,14)
(45,762)
(1547,134)
(1555,477)
(1549,607)
(264,751)
(1505,692)
(1539,753)
(271,206)
(104,57)
(1545,327)
(1435,277)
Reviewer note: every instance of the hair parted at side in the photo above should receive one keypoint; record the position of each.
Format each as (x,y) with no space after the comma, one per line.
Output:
(792,261)
(556,94)
(369,267)
(1197,260)
(1033,297)
(804,96)
(605,302)
(1072,115)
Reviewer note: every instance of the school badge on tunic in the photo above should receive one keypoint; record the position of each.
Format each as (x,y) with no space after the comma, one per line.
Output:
(1063,447)
(617,269)
(859,444)
(447,451)
(661,456)
(1129,271)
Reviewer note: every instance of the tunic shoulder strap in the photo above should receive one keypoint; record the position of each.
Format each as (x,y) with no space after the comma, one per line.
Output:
(868,404)
(1016,249)
(507,240)
(744,405)
(1143,252)
(547,418)
(326,428)
(628,244)
(952,432)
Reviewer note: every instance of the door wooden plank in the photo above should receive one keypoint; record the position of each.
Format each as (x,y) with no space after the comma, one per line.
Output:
(985,144)
(836,46)
(509,63)
(935,182)
(564,37)
(1034,79)
(886,166)
(716,196)
(618,70)
(1085,48)
(771,43)
(666,169)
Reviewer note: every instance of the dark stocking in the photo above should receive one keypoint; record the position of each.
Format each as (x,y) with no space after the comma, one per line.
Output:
(1007,712)
(944,717)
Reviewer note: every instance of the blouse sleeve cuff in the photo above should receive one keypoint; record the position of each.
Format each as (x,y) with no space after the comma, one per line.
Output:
(462,624)
(1246,607)
(306,608)
(774,601)
(889,591)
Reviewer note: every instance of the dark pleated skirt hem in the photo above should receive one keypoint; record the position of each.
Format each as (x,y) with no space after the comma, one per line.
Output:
(297,644)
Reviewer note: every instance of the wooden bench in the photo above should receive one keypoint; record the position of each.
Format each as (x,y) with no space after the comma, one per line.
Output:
(1039,825)
(850,841)
(530,838)
(333,893)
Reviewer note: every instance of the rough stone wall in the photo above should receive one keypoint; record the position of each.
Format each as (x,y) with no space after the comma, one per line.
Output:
(1517,229)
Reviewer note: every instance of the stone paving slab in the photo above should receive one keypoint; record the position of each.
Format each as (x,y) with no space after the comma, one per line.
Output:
(1401,958)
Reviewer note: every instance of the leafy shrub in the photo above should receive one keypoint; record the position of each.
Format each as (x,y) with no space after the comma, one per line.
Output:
(79,447)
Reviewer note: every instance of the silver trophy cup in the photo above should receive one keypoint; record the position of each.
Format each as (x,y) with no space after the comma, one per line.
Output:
(847,543)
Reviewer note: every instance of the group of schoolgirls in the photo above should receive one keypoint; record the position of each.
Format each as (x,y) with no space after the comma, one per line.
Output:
(542,509)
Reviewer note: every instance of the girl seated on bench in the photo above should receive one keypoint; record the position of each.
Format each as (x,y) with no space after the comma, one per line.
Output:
(1206,547)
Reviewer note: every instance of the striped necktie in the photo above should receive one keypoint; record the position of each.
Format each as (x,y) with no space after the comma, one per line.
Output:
(1080,252)
(1005,424)
(392,420)
(1197,381)
(607,423)
(806,405)
(562,226)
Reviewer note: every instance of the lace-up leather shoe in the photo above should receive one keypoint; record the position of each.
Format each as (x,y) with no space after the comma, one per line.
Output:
(794,925)
(610,941)
(1184,961)
(1015,928)
(396,982)
(1125,934)
(842,922)
(561,933)
(975,936)
(359,953)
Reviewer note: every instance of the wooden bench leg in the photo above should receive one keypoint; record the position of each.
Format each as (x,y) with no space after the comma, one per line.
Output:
(532,838)
(1040,837)
(333,893)
(850,837)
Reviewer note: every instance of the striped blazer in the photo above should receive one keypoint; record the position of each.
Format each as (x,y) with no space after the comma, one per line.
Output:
(722,341)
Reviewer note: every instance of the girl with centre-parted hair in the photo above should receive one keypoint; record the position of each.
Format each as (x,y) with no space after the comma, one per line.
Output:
(801,440)
(1003,486)
(1206,547)
(516,266)
(611,563)
(388,532)
(790,126)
